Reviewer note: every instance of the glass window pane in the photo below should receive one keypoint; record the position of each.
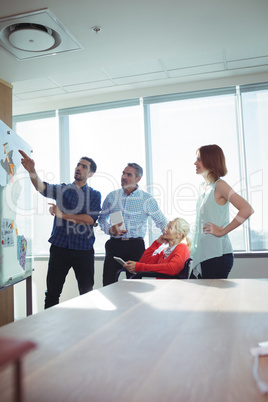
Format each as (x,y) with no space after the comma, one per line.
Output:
(112,138)
(42,136)
(178,129)
(255,117)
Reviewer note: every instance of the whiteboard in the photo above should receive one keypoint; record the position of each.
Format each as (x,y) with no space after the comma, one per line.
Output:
(15,210)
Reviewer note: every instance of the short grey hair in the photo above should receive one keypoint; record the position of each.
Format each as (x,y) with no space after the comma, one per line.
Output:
(138,169)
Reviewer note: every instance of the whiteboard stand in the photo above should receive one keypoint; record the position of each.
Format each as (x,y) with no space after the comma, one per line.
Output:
(29,296)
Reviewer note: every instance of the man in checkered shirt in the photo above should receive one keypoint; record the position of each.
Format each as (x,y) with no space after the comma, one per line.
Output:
(136,206)
(75,212)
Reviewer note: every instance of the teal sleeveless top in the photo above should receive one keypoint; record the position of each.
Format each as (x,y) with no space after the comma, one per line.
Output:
(206,246)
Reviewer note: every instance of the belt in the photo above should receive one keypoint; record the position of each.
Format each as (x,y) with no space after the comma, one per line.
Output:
(127,238)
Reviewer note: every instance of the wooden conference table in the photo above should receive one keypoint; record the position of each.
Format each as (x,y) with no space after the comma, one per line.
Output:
(139,340)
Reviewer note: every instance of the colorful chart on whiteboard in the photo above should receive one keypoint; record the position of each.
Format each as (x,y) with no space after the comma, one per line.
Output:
(15,209)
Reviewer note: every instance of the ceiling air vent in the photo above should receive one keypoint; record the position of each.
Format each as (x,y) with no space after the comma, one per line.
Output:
(32,37)
(35,34)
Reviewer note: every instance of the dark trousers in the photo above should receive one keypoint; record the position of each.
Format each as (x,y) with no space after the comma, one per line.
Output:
(60,262)
(131,249)
(216,268)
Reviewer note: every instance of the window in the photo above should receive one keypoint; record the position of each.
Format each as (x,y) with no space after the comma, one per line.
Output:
(255,118)
(43,136)
(112,138)
(178,129)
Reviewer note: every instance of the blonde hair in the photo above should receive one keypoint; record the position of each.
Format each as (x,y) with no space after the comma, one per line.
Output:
(183,227)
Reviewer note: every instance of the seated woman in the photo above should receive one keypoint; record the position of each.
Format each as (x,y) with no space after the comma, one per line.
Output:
(170,260)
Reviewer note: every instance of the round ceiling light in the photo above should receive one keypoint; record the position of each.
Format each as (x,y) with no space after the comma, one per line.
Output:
(31,37)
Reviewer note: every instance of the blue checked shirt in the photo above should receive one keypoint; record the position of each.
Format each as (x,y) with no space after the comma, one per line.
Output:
(136,208)
(75,201)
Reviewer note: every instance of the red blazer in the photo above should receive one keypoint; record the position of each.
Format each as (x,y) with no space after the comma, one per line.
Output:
(171,265)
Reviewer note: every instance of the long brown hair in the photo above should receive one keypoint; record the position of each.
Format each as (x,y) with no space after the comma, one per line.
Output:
(213,159)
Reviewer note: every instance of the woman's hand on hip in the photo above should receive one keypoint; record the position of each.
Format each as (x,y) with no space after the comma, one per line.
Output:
(210,228)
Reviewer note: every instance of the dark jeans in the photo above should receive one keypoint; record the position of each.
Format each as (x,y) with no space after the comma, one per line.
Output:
(216,268)
(60,262)
(126,249)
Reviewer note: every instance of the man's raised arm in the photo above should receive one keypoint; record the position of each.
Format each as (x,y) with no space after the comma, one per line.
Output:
(29,165)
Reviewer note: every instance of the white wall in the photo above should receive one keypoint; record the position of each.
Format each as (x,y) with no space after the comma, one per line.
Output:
(70,289)
(243,268)
(250,268)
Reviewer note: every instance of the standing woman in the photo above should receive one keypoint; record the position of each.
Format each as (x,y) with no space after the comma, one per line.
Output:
(212,253)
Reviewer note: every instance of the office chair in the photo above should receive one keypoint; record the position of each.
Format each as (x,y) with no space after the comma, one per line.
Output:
(183,274)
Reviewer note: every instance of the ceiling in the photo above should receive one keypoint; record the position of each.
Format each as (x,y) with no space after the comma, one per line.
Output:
(142,44)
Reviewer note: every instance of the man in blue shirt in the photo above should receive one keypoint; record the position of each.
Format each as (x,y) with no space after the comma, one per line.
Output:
(72,238)
(136,206)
